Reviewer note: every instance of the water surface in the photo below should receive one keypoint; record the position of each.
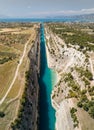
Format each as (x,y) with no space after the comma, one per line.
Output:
(46,82)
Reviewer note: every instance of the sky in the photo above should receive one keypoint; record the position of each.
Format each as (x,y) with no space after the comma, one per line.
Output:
(41,8)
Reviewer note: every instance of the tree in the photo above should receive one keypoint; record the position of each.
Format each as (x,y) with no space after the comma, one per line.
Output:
(2,114)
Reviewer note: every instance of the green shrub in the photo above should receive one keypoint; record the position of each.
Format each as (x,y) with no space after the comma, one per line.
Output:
(79,104)
(91,111)
(86,106)
(73,110)
(74,117)
(83,98)
(72,94)
(2,114)
(83,91)
(91,91)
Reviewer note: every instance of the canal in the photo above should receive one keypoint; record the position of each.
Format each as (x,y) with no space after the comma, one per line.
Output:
(46,83)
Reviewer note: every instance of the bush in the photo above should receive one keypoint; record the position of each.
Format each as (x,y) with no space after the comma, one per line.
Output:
(73,110)
(72,94)
(74,117)
(4,60)
(91,91)
(79,104)
(86,106)
(87,83)
(83,91)
(91,111)
(91,103)
(2,114)
(84,99)
(85,73)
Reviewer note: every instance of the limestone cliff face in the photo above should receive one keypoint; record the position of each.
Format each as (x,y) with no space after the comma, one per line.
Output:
(60,103)
(64,60)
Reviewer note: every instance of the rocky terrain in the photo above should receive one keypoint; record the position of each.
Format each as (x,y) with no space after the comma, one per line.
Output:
(73,96)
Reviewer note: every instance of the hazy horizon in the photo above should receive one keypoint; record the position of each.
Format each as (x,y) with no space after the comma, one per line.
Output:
(42,8)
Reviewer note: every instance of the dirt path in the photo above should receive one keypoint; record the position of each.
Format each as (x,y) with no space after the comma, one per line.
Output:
(16,72)
(65,122)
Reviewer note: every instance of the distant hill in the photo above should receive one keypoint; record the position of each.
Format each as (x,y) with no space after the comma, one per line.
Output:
(74,18)
(84,17)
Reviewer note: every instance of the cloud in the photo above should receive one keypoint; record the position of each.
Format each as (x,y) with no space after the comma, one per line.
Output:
(73,12)
(63,12)
(88,10)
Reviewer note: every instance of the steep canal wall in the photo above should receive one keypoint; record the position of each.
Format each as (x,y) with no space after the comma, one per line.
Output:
(28,113)
(38,113)
(33,89)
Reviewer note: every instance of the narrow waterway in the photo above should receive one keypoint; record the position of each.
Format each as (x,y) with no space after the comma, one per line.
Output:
(46,82)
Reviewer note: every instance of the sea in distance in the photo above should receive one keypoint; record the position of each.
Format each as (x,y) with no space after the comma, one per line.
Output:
(68,19)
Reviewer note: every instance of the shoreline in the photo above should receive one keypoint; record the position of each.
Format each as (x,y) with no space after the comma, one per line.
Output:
(57,76)
(55,79)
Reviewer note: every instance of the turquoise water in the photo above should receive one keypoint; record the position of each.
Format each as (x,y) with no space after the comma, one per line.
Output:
(46,82)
